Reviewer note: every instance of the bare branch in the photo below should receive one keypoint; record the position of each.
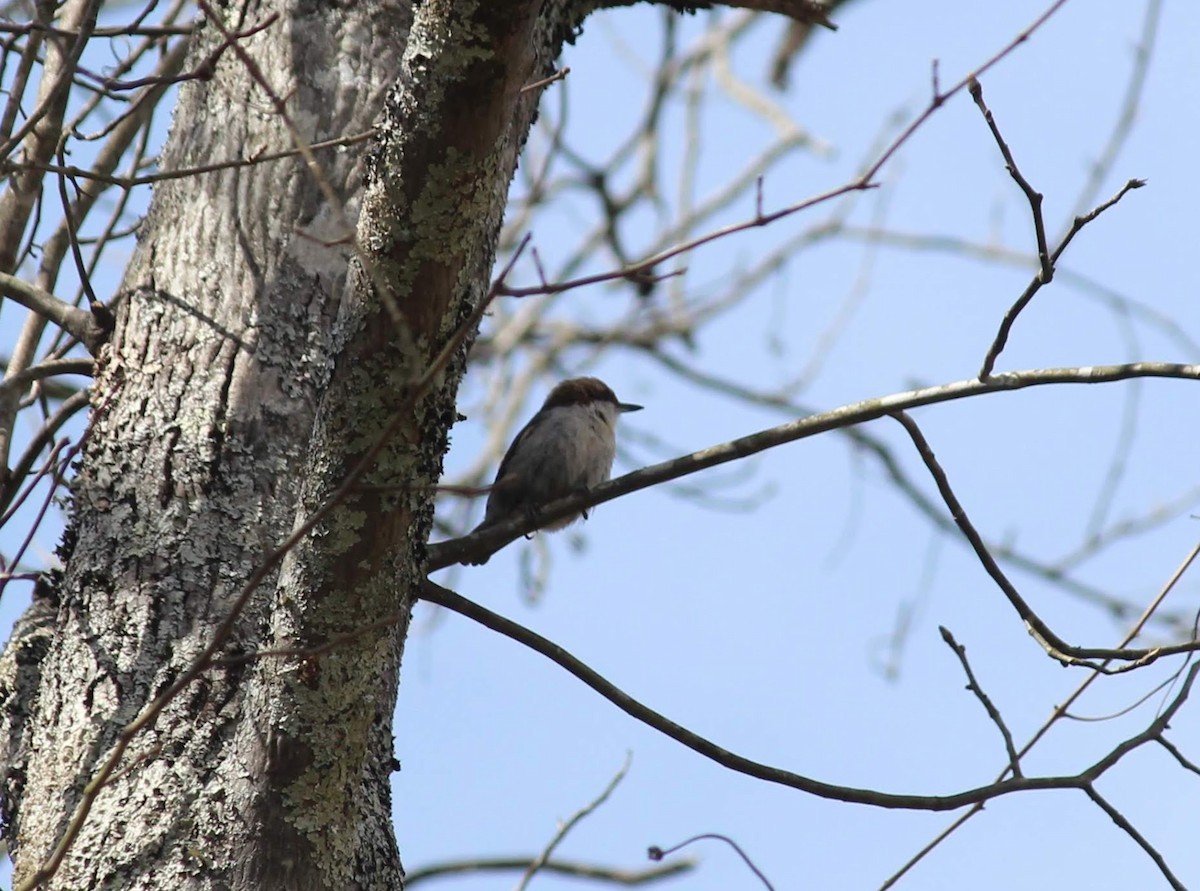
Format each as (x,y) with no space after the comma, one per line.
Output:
(657,853)
(1088,287)
(543,858)
(1014,761)
(1178,755)
(42,439)
(254,157)
(1010,317)
(59,70)
(546,81)
(570,868)
(939,99)
(1130,830)
(1031,194)
(1057,573)
(1099,541)
(43,370)
(58,470)
(488,541)
(1060,711)
(647,265)
(86,327)
(1054,645)
(435,593)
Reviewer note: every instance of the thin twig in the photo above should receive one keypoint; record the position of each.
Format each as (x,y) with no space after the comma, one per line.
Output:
(60,467)
(1117,817)
(1010,317)
(1166,683)
(546,81)
(1032,195)
(59,70)
(1178,755)
(656,853)
(305,654)
(124,31)
(1089,288)
(102,318)
(647,265)
(43,438)
(15,504)
(1014,760)
(543,858)
(939,99)
(256,157)
(865,181)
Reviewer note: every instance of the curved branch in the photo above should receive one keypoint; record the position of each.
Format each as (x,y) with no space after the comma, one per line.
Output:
(559,867)
(43,370)
(435,593)
(1054,645)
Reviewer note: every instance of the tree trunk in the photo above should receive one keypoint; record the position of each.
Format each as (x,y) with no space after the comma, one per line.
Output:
(253,365)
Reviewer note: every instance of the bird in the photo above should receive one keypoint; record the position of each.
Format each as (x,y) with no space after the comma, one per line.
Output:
(567,446)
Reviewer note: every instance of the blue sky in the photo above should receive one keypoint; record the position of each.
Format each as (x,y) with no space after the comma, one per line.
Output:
(768,631)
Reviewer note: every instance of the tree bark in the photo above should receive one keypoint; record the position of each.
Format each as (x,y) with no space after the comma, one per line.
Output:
(202,412)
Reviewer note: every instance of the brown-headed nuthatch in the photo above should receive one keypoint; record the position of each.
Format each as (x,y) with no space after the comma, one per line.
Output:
(568,446)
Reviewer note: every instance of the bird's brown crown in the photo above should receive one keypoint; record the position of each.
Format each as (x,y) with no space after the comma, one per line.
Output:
(580,391)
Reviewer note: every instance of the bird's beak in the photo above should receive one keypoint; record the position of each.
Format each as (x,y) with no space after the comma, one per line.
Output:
(628,406)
